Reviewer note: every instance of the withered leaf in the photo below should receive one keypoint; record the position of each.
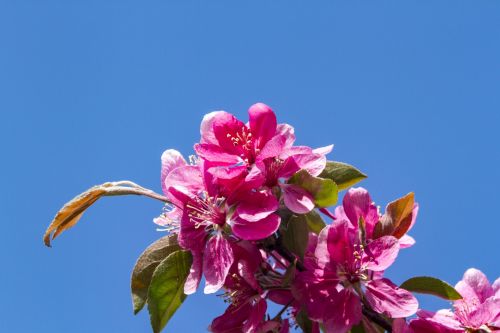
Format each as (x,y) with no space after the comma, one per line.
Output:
(72,211)
(397,217)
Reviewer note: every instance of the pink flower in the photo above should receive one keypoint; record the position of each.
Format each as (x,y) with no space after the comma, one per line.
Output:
(273,326)
(171,159)
(357,204)
(255,217)
(262,151)
(248,306)
(201,213)
(477,311)
(480,305)
(345,267)
(225,139)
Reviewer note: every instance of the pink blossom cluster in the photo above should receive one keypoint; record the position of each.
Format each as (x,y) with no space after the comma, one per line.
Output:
(478,310)
(229,206)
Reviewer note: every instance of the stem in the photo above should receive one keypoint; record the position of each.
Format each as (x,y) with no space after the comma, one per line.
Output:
(283,310)
(121,190)
(278,261)
(327,213)
(377,319)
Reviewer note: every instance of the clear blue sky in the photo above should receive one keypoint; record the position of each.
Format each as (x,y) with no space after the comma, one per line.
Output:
(92,91)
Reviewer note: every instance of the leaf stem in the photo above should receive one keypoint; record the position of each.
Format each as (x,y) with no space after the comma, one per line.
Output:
(122,190)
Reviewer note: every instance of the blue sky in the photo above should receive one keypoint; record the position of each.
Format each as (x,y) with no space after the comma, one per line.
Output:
(92,91)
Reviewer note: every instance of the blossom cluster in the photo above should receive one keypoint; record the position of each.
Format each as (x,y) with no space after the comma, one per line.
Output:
(247,213)
(234,207)
(477,311)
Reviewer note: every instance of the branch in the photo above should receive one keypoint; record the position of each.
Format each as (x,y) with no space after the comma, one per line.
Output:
(377,319)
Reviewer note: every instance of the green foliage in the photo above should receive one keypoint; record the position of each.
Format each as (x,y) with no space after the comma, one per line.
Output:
(314,221)
(304,322)
(432,286)
(324,191)
(166,291)
(358,328)
(295,234)
(145,267)
(344,175)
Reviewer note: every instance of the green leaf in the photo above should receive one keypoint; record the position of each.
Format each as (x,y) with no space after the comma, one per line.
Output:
(166,291)
(295,233)
(145,267)
(304,322)
(314,221)
(324,191)
(432,286)
(397,218)
(344,175)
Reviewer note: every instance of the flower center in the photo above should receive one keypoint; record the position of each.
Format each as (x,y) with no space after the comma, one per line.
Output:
(207,212)
(273,166)
(354,268)
(244,144)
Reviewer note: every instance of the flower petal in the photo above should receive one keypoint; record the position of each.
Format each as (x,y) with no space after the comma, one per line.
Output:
(169,218)
(194,277)
(231,133)
(287,169)
(313,163)
(170,159)
(288,131)
(399,326)
(272,148)
(323,150)
(486,313)
(187,179)
(224,180)
(479,283)
(358,203)
(334,245)
(231,320)
(442,321)
(346,313)
(406,241)
(190,236)
(257,206)
(217,259)
(386,298)
(262,123)
(256,316)
(215,153)
(381,253)
(496,287)
(297,199)
(207,129)
(256,230)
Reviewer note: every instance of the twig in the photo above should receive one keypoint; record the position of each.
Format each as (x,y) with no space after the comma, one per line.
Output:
(122,190)
(377,319)
(283,310)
